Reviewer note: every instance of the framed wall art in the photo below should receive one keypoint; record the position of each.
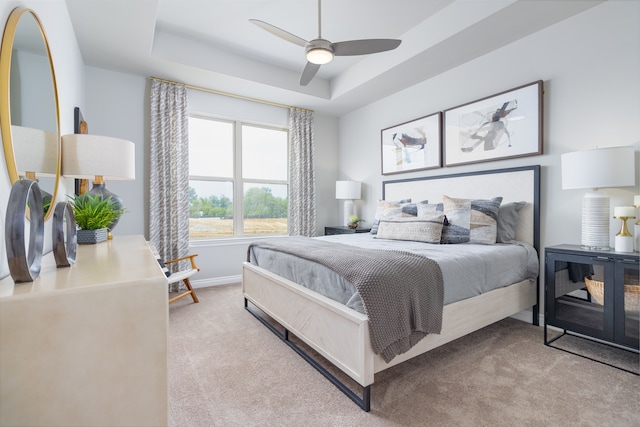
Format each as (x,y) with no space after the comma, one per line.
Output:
(412,145)
(501,126)
(80,126)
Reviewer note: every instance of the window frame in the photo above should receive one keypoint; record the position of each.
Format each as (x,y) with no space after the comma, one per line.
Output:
(237,180)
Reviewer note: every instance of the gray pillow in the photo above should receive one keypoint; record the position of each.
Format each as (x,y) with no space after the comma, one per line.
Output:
(508,217)
(470,220)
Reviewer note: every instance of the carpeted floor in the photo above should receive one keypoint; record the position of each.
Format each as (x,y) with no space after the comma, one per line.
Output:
(227,369)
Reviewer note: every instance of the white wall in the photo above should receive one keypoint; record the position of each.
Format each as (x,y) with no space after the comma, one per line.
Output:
(591,68)
(69,70)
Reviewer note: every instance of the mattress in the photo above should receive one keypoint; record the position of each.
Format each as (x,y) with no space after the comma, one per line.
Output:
(468,270)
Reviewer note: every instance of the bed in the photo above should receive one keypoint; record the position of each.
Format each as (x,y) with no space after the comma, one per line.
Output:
(341,334)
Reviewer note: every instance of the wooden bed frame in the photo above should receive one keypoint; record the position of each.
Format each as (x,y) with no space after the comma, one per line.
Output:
(341,335)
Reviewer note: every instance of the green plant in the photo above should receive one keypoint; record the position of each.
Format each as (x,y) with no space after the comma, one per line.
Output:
(353,219)
(93,211)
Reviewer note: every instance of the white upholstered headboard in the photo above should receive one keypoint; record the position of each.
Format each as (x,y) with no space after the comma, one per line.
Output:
(513,184)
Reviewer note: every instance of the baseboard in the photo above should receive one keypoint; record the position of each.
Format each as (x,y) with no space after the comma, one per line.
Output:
(217,281)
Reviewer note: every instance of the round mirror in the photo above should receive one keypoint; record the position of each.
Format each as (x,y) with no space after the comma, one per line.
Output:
(29,112)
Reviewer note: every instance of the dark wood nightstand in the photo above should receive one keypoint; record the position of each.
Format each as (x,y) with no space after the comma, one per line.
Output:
(593,294)
(343,229)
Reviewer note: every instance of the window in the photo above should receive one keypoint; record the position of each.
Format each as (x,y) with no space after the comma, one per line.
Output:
(238,179)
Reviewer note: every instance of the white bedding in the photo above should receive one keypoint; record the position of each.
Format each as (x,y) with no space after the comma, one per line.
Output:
(467,269)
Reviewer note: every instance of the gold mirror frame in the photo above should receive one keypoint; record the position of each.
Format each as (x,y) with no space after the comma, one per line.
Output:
(6,53)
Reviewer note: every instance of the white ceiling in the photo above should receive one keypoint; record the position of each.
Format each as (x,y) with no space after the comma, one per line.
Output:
(212,44)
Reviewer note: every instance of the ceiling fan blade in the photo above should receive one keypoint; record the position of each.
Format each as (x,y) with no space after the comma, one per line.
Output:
(363,47)
(308,73)
(280,33)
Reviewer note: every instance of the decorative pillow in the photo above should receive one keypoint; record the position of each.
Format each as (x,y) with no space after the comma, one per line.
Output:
(382,205)
(401,210)
(508,217)
(428,209)
(417,229)
(470,221)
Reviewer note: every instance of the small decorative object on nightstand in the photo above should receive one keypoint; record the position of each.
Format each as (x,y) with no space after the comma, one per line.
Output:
(624,239)
(354,221)
(342,229)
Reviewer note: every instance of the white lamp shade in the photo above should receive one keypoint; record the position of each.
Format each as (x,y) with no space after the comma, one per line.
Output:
(598,168)
(35,150)
(86,156)
(349,190)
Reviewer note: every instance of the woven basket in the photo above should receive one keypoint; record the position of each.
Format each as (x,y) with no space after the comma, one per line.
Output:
(595,286)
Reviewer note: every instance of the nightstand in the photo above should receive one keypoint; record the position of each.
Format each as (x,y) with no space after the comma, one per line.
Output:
(343,229)
(594,294)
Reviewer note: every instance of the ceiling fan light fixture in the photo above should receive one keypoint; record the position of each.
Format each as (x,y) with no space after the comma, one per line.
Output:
(319,55)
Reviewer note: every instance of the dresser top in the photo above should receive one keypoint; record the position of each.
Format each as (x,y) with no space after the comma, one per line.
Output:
(124,259)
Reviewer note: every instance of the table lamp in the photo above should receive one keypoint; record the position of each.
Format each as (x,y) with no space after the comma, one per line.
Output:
(86,156)
(36,153)
(596,169)
(348,191)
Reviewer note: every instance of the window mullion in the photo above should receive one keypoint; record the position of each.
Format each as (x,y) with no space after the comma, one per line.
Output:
(238,192)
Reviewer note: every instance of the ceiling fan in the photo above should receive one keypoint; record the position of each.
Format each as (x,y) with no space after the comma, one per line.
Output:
(320,51)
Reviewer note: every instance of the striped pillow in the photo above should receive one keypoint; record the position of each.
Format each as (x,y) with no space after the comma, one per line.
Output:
(426,229)
(470,220)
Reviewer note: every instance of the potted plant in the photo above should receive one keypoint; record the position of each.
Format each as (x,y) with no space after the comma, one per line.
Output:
(354,221)
(94,214)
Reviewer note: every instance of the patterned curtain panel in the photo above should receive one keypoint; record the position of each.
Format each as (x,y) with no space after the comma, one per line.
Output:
(302,186)
(169,172)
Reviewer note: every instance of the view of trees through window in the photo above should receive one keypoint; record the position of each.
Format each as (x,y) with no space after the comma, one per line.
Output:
(232,161)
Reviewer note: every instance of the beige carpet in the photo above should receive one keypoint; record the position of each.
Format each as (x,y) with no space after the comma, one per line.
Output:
(227,369)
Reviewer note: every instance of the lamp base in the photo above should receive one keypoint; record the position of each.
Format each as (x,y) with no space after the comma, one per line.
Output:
(348,210)
(117,201)
(624,243)
(595,221)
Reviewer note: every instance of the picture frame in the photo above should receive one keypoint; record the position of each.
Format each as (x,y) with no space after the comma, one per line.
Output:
(502,126)
(412,146)
(80,126)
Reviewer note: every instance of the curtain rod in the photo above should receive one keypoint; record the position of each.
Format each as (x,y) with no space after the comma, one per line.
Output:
(231,95)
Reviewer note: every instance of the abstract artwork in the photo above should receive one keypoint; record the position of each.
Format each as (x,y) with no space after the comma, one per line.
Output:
(413,145)
(501,126)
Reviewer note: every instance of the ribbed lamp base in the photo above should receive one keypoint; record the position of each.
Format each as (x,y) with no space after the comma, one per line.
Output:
(595,221)
(348,210)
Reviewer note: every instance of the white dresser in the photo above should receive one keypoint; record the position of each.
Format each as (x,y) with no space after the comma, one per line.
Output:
(87,345)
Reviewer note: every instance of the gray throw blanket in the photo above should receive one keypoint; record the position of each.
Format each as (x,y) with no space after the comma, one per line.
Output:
(402,293)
